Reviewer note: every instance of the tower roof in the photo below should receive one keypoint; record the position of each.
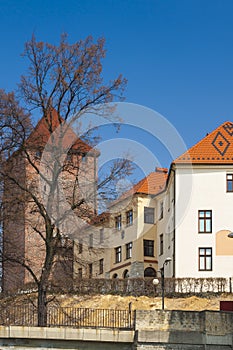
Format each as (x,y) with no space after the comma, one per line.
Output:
(214,148)
(47,125)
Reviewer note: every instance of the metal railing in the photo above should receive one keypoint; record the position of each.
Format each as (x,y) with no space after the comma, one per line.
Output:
(26,315)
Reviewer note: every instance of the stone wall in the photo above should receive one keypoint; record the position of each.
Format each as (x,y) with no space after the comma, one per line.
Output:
(184,330)
(154,330)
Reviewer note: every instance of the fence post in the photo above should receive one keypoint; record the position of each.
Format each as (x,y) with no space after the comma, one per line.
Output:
(230,285)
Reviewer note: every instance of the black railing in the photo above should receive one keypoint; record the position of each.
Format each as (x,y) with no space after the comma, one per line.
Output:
(26,315)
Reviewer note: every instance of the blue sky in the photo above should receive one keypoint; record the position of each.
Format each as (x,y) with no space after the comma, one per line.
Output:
(176,54)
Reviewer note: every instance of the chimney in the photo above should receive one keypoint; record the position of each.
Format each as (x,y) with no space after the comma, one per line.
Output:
(161,170)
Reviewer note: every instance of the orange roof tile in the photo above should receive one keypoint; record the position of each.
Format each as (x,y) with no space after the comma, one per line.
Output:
(41,134)
(215,148)
(152,184)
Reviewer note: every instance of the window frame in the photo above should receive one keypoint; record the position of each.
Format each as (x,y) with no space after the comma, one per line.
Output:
(128,250)
(118,254)
(80,272)
(118,222)
(129,217)
(204,256)
(101,266)
(80,247)
(149,215)
(205,219)
(90,270)
(229,181)
(101,235)
(148,247)
(91,240)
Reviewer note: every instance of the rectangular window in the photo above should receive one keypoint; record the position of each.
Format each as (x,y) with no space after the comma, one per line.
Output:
(205,259)
(128,248)
(90,270)
(118,222)
(149,215)
(101,266)
(148,247)
(161,244)
(161,211)
(101,235)
(129,217)
(84,158)
(80,247)
(229,182)
(91,240)
(80,273)
(169,200)
(118,254)
(205,221)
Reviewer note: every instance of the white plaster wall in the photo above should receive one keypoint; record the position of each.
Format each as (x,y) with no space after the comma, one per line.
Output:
(208,193)
(144,201)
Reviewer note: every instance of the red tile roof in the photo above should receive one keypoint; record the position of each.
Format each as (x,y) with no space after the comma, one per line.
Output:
(215,148)
(47,125)
(152,184)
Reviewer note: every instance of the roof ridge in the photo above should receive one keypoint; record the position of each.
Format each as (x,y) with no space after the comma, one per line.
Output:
(211,148)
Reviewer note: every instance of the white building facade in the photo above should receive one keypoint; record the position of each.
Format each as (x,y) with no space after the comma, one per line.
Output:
(198,210)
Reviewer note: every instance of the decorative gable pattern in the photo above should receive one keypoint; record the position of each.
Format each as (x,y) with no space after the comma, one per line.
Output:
(215,148)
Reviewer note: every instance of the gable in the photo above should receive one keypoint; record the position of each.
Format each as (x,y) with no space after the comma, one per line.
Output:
(215,148)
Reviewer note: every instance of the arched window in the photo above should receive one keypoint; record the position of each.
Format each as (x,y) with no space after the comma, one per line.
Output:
(149,272)
(115,275)
(126,274)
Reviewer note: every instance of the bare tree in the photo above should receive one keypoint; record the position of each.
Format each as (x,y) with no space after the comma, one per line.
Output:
(45,166)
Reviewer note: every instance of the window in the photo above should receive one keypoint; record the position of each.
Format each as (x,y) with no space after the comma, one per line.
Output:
(91,240)
(205,221)
(101,235)
(90,270)
(84,159)
(148,247)
(169,200)
(128,248)
(161,211)
(161,244)
(80,247)
(205,259)
(148,215)
(38,153)
(118,254)
(118,222)
(80,273)
(229,182)
(129,217)
(101,266)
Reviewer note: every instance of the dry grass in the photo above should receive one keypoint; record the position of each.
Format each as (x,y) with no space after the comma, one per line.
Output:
(143,302)
(119,303)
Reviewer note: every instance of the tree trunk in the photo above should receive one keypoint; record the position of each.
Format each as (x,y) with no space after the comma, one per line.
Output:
(42,306)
